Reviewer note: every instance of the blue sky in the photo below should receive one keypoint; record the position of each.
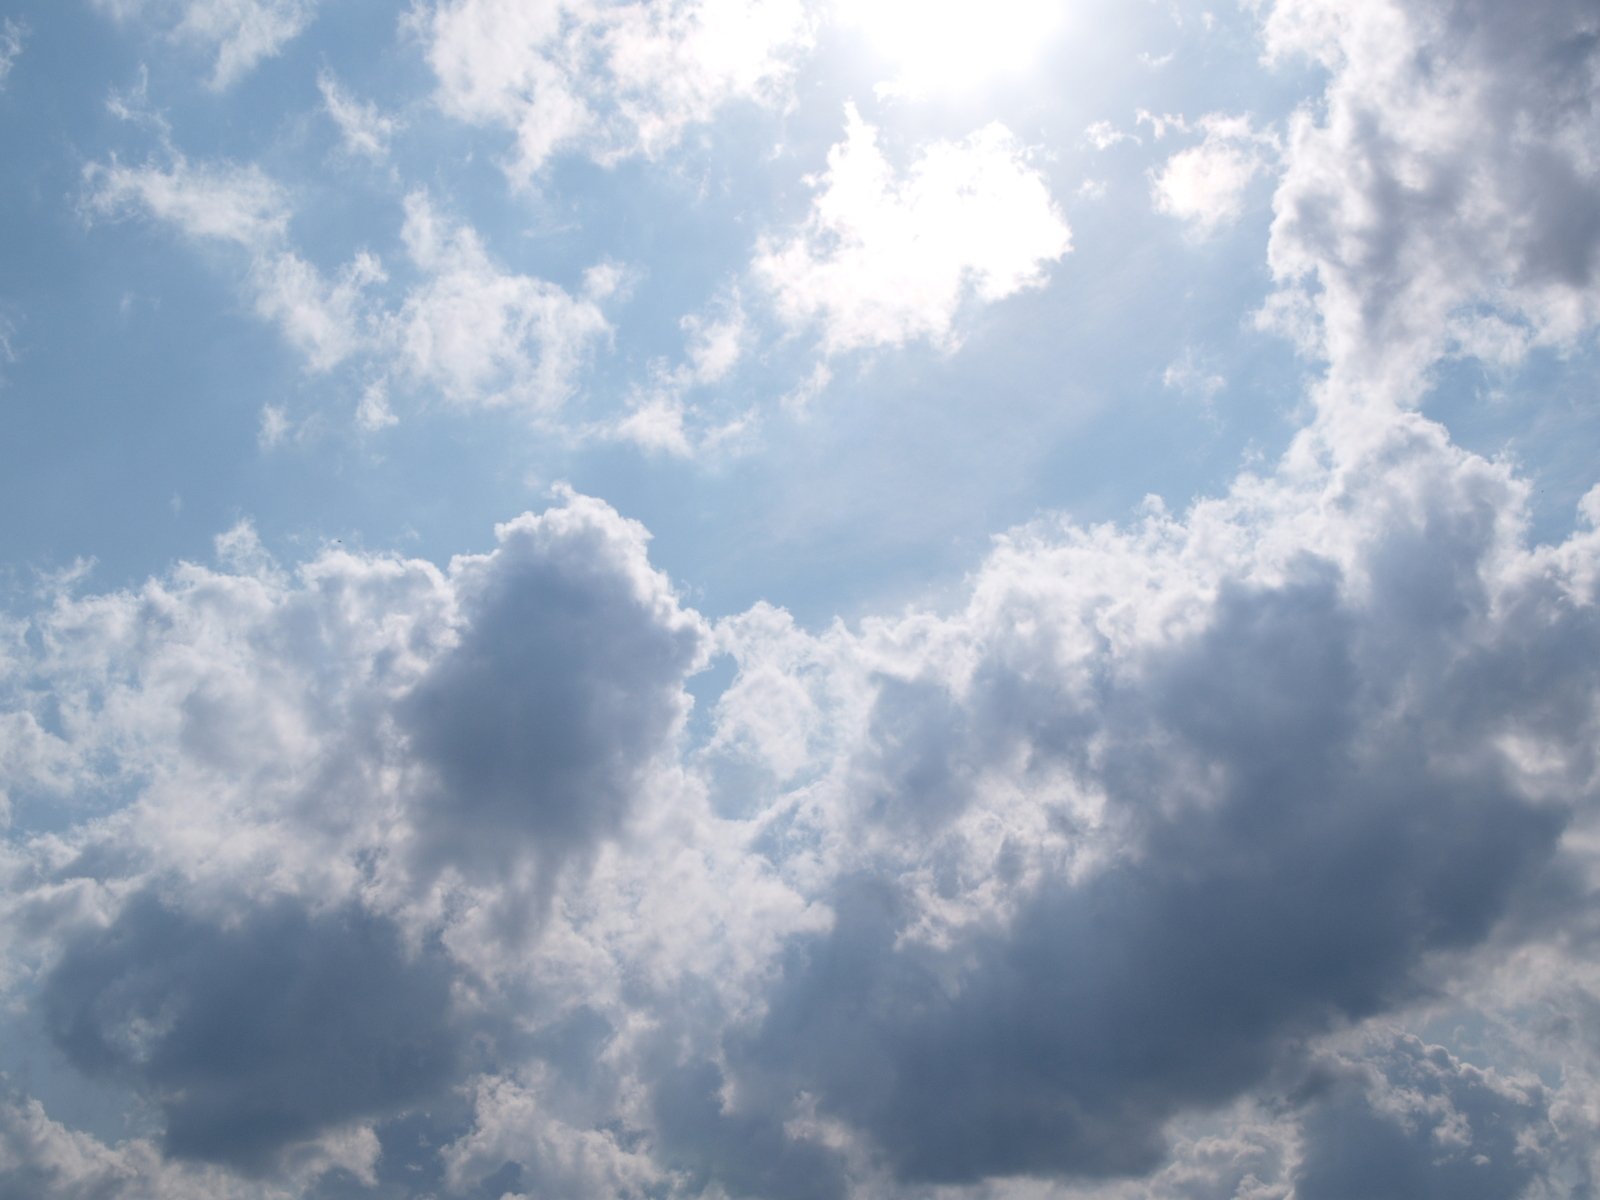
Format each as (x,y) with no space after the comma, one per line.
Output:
(791,599)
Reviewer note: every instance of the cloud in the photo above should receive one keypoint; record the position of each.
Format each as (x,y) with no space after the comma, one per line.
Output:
(241,207)
(476,334)
(226,203)
(1449,165)
(241,33)
(481,335)
(255,1034)
(607,81)
(885,261)
(1026,887)
(1204,185)
(363,129)
(1159,806)
(1413,1120)
(12,34)
(661,416)
(540,733)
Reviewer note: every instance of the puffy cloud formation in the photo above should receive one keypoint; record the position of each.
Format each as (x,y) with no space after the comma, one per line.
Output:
(1205,185)
(611,80)
(1015,890)
(1445,194)
(883,261)
(1160,805)
(1153,865)
(257,1034)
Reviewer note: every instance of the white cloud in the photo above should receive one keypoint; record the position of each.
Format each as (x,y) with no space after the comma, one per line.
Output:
(240,33)
(11,39)
(1193,377)
(661,416)
(478,334)
(362,127)
(884,260)
(1205,185)
(241,207)
(224,203)
(482,335)
(1452,163)
(606,80)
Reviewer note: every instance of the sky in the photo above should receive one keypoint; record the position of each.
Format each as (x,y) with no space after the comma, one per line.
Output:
(799,600)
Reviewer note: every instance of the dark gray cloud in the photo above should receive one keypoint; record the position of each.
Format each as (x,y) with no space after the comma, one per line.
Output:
(1309,809)
(255,1034)
(1416,1123)
(566,684)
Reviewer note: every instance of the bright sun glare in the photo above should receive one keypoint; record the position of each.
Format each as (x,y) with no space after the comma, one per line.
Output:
(953,45)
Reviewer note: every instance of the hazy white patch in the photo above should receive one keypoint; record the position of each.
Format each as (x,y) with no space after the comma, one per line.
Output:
(240,33)
(12,35)
(362,127)
(274,426)
(373,413)
(1204,186)
(884,260)
(1103,135)
(1192,377)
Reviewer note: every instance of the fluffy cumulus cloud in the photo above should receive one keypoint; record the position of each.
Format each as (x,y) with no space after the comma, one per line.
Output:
(1161,804)
(1205,185)
(1444,195)
(885,258)
(609,80)
(1246,851)
(239,33)
(1013,890)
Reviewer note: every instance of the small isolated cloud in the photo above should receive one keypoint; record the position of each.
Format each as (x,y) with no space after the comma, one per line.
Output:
(362,127)
(885,259)
(662,417)
(608,81)
(1191,376)
(481,335)
(1204,186)
(1103,135)
(11,38)
(240,33)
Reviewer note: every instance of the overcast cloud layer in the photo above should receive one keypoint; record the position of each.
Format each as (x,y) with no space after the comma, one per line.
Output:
(793,789)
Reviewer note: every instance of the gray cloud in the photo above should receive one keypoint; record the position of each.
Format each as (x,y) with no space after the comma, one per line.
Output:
(1449,178)
(255,1035)
(1292,812)
(1415,1122)
(542,721)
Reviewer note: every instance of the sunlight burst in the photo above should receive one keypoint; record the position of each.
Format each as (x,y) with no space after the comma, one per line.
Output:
(942,46)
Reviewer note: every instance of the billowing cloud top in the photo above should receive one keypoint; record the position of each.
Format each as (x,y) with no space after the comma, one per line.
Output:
(736,821)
